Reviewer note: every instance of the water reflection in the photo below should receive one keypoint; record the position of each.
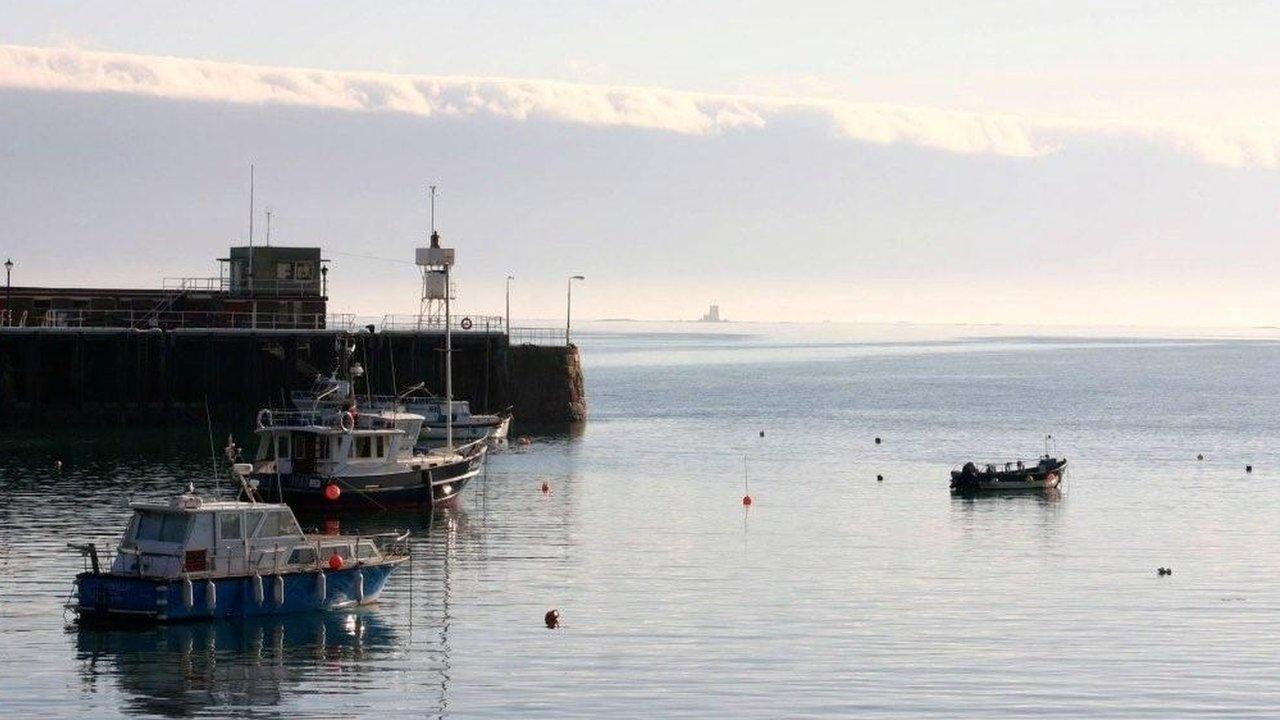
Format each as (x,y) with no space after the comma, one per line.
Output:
(183,670)
(1047,497)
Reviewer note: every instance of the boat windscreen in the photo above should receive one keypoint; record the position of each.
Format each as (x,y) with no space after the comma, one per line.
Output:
(162,527)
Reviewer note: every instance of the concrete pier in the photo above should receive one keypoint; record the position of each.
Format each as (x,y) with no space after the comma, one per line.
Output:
(90,376)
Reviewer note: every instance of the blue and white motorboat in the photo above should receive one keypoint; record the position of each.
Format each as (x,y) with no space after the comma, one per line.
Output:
(192,559)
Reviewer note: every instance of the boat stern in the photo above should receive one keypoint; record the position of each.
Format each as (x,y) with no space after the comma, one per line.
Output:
(108,596)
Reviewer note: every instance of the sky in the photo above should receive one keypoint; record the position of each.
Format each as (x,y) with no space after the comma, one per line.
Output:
(985,162)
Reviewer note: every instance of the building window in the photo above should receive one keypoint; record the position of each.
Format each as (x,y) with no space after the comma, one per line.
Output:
(284,271)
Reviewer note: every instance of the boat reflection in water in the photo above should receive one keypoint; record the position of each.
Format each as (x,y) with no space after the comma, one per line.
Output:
(187,669)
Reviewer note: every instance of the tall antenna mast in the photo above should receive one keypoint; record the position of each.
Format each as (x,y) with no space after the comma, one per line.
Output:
(251,237)
(433,208)
(250,204)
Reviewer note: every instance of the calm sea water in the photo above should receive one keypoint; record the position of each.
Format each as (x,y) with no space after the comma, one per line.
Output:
(834,595)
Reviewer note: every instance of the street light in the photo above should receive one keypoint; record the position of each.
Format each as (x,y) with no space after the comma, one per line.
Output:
(508,321)
(568,308)
(8,290)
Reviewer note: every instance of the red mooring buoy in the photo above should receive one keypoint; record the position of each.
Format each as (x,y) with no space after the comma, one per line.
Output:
(546,486)
(332,492)
(746,500)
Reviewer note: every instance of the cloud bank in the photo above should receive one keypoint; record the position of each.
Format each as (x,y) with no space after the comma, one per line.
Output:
(656,109)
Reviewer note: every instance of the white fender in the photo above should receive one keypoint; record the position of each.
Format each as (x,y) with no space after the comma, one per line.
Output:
(210,595)
(321,586)
(360,585)
(188,593)
(278,590)
(257,589)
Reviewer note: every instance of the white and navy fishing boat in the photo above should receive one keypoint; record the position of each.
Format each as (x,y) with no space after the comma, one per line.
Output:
(193,559)
(1019,475)
(466,427)
(335,459)
(331,392)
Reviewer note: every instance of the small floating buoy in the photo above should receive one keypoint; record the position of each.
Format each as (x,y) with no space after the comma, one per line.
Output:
(57,464)
(1248,468)
(1164,571)
(746,501)
(1200,456)
(552,618)
(546,487)
(335,562)
(761,433)
(879,478)
(877,439)
(332,492)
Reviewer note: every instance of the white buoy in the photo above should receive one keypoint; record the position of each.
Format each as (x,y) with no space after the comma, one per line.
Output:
(321,586)
(279,590)
(210,595)
(257,589)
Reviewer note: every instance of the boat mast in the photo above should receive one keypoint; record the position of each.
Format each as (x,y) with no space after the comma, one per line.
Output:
(436,262)
(448,367)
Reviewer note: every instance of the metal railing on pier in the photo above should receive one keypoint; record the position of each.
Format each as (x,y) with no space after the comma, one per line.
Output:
(190,319)
(537,336)
(249,286)
(459,323)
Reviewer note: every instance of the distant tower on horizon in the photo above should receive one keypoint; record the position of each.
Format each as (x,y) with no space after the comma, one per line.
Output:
(713,315)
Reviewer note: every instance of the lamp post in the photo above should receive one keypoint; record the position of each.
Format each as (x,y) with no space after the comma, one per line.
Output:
(508,319)
(8,290)
(568,308)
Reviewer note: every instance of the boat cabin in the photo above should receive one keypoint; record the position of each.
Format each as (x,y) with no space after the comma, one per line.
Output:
(326,443)
(194,538)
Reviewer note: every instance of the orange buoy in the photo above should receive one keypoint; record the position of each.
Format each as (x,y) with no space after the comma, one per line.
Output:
(746,500)
(552,618)
(546,486)
(335,562)
(332,492)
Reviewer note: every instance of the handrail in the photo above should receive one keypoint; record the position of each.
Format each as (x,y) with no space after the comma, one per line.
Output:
(548,336)
(194,319)
(458,323)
